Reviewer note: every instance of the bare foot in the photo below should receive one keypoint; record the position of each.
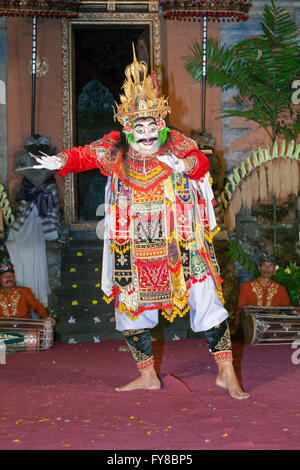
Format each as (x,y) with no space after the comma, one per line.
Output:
(148,380)
(227,379)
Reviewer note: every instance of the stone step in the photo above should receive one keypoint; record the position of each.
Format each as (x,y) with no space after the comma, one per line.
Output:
(81,273)
(99,323)
(90,337)
(84,282)
(93,322)
(85,244)
(76,307)
(85,306)
(83,235)
(68,335)
(80,288)
(83,337)
(82,254)
(88,263)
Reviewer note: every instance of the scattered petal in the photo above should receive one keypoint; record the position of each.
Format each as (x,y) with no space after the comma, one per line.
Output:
(176,338)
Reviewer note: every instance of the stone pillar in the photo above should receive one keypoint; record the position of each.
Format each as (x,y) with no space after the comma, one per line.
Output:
(3,104)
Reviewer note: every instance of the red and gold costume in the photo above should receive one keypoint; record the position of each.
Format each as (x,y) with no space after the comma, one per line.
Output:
(256,294)
(159,223)
(19,302)
(159,229)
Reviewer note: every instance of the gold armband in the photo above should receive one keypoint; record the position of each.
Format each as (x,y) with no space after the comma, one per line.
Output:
(190,163)
(63,158)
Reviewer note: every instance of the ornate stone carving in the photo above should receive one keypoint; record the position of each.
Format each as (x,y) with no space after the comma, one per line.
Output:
(42,66)
(116,17)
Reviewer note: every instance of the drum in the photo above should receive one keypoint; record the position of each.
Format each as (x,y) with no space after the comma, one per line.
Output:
(270,325)
(24,334)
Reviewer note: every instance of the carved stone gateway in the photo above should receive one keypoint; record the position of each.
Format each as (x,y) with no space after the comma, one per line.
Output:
(97,14)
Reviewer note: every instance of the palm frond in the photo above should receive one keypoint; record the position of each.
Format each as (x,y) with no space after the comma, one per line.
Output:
(260,69)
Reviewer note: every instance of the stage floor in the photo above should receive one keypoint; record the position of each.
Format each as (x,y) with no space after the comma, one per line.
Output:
(64,399)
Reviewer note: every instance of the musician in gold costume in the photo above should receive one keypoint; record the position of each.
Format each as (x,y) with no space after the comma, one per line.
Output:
(17,301)
(159,224)
(262,291)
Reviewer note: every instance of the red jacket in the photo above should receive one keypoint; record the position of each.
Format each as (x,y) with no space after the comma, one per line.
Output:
(254,293)
(19,302)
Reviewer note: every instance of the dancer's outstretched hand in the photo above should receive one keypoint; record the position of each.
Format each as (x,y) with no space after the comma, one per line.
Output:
(173,162)
(50,162)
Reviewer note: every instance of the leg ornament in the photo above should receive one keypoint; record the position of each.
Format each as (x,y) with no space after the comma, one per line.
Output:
(140,345)
(219,342)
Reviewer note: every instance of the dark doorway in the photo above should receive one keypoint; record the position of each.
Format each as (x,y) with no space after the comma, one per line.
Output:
(102,53)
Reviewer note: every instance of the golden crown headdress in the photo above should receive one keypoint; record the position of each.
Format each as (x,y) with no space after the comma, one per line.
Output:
(140,95)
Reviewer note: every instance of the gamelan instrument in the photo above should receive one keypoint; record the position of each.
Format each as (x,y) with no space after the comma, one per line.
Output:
(270,325)
(25,334)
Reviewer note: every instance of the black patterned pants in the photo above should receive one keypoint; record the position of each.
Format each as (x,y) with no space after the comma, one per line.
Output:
(140,345)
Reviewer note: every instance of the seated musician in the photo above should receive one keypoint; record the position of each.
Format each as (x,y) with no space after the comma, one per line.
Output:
(17,301)
(263,291)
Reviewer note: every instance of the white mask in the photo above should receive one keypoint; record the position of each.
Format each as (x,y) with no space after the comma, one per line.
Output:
(145,133)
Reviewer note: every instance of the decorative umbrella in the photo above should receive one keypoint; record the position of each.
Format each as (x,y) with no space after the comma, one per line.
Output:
(38,9)
(205,10)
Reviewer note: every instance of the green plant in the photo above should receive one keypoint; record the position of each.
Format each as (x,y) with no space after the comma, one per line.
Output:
(289,276)
(237,254)
(261,69)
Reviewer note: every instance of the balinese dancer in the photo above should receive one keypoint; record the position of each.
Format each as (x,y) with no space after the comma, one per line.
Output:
(159,224)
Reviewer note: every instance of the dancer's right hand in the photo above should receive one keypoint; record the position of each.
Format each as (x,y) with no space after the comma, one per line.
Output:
(50,162)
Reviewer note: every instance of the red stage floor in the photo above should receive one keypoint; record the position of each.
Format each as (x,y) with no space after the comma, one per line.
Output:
(64,399)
